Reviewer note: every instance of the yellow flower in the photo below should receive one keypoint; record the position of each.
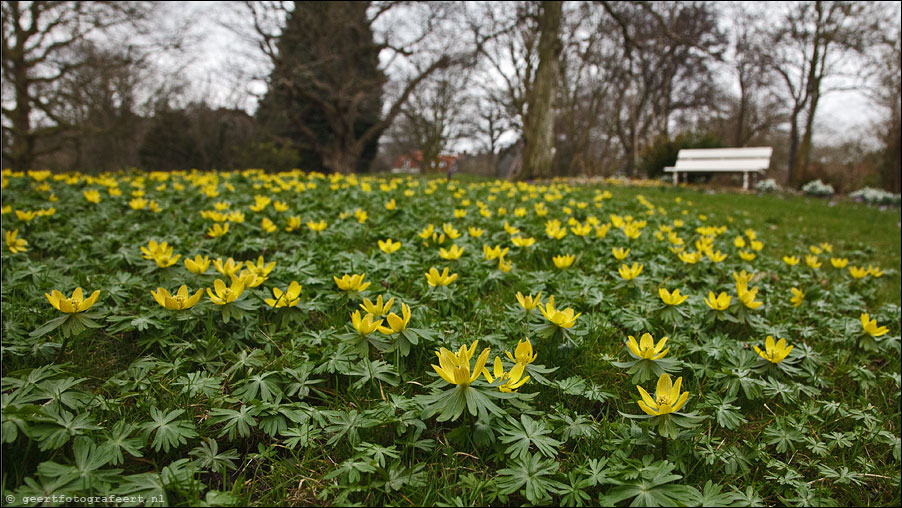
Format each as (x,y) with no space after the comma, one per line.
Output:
(197,265)
(179,301)
(523,353)
(875,271)
(646,348)
(747,297)
(797,297)
(747,255)
(228,268)
(225,294)
(562,318)
(280,206)
(839,262)
(316,226)
(827,247)
(631,231)
(366,325)
(427,232)
(511,230)
(451,254)
(475,232)
(218,230)
(434,278)
(378,308)
(717,257)
(449,230)
(351,282)
(870,326)
(858,272)
(815,249)
(563,261)
(630,273)
(581,229)
(15,244)
(504,266)
(757,245)
(668,398)
(690,258)
(493,252)
(360,215)
(76,303)
(742,279)
(455,367)
(602,231)
(288,298)
(519,241)
(396,323)
(160,253)
(619,253)
(719,302)
(513,379)
(739,242)
(138,203)
(529,302)
(459,213)
(268,225)
(261,268)
(812,261)
(672,298)
(774,353)
(294,223)
(92,196)
(791,260)
(387,246)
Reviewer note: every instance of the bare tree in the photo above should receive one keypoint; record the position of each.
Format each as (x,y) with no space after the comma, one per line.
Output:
(813,44)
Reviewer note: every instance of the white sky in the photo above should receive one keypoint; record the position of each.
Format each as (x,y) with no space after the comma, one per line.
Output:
(218,64)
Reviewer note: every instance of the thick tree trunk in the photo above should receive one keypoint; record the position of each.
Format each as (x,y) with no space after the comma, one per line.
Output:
(792,168)
(538,129)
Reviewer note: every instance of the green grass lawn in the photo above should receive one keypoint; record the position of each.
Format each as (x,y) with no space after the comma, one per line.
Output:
(257,393)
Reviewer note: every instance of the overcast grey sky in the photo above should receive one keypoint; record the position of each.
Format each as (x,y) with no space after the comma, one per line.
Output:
(219,65)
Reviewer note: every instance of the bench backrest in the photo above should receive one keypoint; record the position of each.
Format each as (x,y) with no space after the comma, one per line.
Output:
(723,159)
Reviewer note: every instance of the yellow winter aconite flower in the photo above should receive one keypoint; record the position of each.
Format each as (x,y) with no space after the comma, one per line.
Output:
(513,379)
(774,353)
(361,215)
(268,225)
(562,318)
(14,243)
(827,247)
(742,279)
(791,260)
(379,308)
(529,302)
(396,323)
(179,301)
(455,367)
(294,223)
(739,242)
(523,353)
(717,257)
(581,229)
(161,253)
(451,254)
(673,298)
(630,273)
(227,268)
(747,297)
(619,253)
(746,255)
(812,261)
(92,196)
(797,297)
(504,266)
(563,261)
(316,226)
(719,302)
(870,326)
(451,231)
(668,398)
(858,272)
(197,265)
(495,252)
(475,232)
(690,258)
(260,268)
(73,304)
(280,206)
(138,204)
(218,230)
(646,347)
(288,298)
(875,271)
(226,294)
(839,262)
(602,231)
(351,282)
(511,230)
(815,250)
(434,278)
(365,325)
(460,213)
(388,246)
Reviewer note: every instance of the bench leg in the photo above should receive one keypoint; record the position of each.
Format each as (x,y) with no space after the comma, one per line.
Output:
(676,178)
(745,180)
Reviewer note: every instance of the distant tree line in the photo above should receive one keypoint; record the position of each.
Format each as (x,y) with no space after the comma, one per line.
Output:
(583,88)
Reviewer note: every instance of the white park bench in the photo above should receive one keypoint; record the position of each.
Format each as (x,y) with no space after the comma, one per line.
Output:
(721,160)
